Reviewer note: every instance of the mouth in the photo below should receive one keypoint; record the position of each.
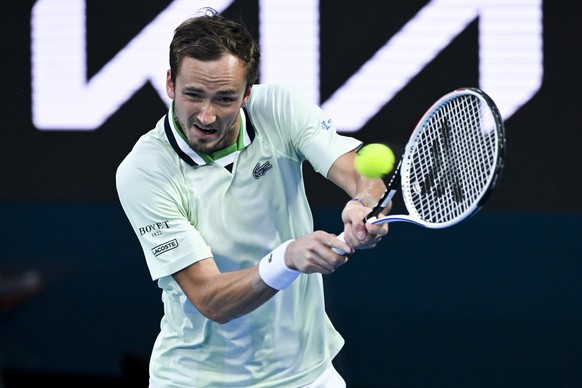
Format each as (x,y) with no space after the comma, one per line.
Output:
(205,131)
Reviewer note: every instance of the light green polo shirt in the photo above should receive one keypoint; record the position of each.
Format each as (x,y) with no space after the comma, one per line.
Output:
(185,207)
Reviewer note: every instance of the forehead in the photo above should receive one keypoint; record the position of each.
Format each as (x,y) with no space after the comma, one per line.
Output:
(225,73)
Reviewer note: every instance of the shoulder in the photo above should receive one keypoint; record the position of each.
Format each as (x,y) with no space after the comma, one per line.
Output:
(151,159)
(280,93)
(282,104)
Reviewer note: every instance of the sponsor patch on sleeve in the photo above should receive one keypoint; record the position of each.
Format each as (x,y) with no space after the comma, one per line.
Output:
(165,247)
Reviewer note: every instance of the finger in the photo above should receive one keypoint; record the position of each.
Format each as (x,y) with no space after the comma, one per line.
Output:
(321,266)
(331,265)
(377,230)
(361,232)
(334,255)
(339,245)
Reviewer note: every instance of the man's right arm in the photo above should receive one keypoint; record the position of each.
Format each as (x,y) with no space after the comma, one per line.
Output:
(223,296)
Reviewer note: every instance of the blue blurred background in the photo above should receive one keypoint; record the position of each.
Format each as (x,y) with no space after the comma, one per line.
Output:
(495,301)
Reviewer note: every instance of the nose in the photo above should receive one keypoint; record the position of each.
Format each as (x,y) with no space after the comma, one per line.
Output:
(206,114)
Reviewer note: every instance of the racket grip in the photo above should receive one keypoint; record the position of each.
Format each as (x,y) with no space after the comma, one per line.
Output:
(337,250)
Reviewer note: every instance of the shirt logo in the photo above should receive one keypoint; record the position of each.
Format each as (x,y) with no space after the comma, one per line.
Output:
(326,125)
(261,169)
(154,228)
(165,247)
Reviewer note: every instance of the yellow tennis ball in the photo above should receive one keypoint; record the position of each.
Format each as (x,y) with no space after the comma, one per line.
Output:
(374,160)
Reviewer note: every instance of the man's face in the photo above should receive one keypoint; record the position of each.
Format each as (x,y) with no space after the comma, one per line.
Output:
(207,100)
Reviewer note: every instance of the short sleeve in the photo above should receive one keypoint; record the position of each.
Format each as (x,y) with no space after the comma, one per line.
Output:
(154,200)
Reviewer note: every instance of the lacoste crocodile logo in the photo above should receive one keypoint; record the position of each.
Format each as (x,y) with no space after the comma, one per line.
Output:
(261,169)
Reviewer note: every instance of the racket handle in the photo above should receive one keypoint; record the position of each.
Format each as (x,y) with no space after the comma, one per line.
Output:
(386,198)
(337,250)
(388,194)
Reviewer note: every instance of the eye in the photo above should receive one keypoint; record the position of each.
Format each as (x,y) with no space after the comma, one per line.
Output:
(194,96)
(226,100)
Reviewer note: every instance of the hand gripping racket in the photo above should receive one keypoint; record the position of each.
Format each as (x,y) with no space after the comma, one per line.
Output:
(451,163)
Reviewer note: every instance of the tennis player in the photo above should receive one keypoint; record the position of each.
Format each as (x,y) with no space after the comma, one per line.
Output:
(215,195)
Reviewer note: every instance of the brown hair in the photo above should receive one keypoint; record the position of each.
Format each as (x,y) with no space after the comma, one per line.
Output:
(209,36)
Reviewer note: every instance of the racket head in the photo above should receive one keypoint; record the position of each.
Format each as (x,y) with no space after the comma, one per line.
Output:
(453,159)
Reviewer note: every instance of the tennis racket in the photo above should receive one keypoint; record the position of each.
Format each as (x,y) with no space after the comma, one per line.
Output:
(451,163)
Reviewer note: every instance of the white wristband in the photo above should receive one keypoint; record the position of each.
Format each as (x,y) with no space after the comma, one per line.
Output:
(274,271)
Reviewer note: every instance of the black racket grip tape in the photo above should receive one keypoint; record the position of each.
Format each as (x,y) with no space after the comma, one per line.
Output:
(391,189)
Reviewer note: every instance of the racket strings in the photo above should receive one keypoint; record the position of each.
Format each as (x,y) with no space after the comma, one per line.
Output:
(452,163)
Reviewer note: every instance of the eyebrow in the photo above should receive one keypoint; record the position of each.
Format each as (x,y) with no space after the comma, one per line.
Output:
(227,92)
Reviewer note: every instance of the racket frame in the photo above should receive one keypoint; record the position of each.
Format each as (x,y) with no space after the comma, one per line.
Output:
(396,180)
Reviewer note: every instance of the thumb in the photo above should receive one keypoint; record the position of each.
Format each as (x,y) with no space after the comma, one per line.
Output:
(361,233)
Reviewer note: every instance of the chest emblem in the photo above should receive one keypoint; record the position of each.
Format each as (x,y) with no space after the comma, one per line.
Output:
(261,169)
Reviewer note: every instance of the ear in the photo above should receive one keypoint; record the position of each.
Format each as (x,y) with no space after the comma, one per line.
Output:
(247,96)
(170,85)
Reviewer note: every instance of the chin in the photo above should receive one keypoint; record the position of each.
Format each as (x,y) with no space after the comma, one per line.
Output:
(201,146)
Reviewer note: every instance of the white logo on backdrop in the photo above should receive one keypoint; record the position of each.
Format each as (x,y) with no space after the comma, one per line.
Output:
(510,58)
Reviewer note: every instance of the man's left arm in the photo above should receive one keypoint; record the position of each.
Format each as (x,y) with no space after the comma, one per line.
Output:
(365,193)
